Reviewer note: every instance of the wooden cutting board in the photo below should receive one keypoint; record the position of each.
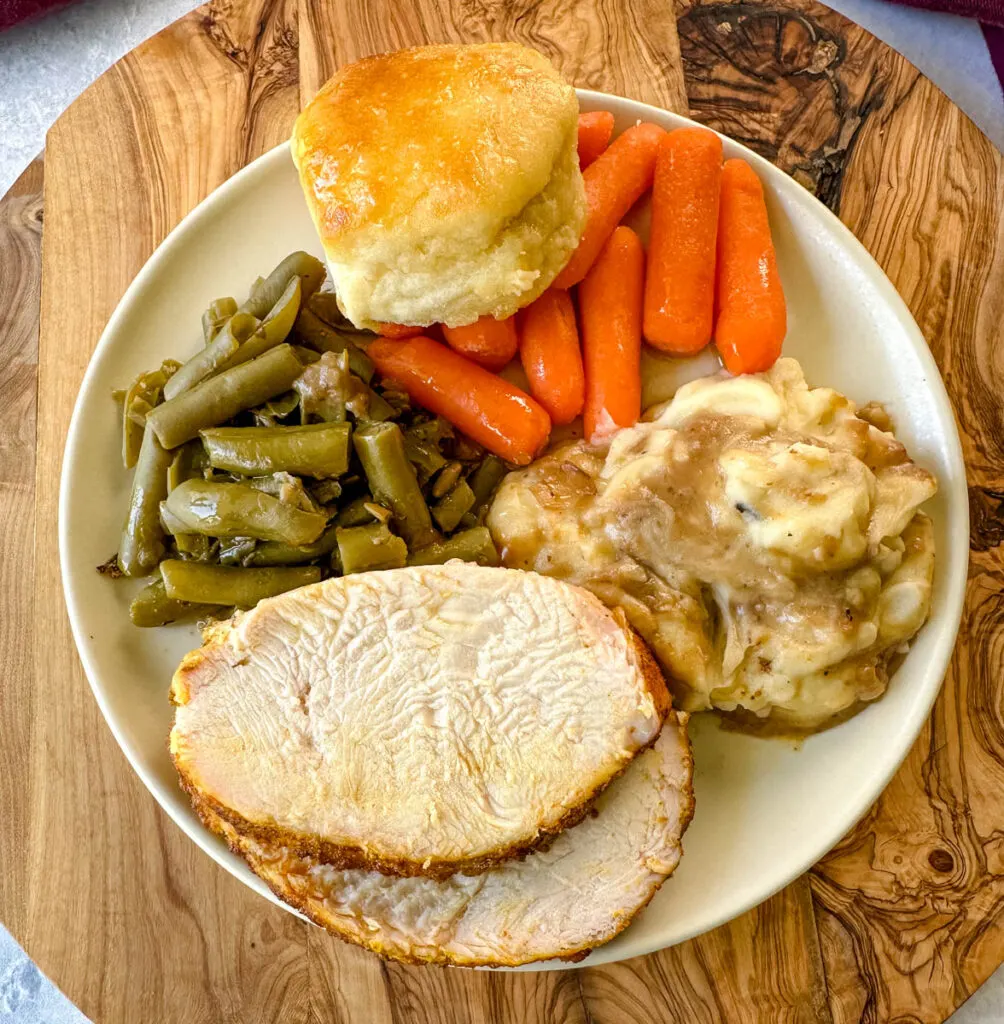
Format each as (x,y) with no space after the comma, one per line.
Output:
(902,921)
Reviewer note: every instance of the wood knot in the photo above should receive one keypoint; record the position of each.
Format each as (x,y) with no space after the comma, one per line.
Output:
(986,518)
(941,860)
(824,53)
(774,79)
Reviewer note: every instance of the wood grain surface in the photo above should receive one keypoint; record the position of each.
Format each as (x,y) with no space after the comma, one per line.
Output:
(20,281)
(900,922)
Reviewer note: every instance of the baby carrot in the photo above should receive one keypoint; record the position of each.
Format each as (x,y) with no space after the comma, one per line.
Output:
(680,280)
(398,331)
(489,342)
(595,129)
(614,183)
(610,301)
(752,317)
(552,359)
(487,408)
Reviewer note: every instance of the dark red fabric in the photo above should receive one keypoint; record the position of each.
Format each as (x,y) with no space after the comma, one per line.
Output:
(994,36)
(13,11)
(990,12)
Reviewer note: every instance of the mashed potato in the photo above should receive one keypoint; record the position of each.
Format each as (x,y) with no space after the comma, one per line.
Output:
(762,536)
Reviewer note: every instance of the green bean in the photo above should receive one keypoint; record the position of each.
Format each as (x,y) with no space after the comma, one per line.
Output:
(326,492)
(319,450)
(307,356)
(231,586)
(272,330)
(220,398)
(271,484)
(132,440)
(257,344)
(265,295)
(355,513)
(366,404)
(374,407)
(216,316)
(237,550)
(214,357)
(152,607)
(170,523)
(434,431)
(288,488)
(238,510)
(284,404)
(450,510)
(366,548)
(397,400)
(196,546)
(139,408)
(143,394)
(183,465)
(474,545)
(486,478)
(317,334)
(279,320)
(392,480)
(273,552)
(380,513)
(325,305)
(424,455)
(446,480)
(142,544)
(279,408)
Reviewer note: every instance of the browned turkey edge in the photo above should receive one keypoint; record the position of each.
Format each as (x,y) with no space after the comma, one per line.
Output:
(346,856)
(212,821)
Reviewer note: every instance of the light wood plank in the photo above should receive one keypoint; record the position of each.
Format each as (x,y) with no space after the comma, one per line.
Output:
(910,907)
(762,967)
(625,48)
(911,904)
(347,984)
(20,283)
(130,919)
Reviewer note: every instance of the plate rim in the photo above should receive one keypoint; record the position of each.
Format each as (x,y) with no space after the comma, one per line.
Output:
(954,489)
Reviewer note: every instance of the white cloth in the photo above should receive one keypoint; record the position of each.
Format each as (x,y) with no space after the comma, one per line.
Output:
(26,995)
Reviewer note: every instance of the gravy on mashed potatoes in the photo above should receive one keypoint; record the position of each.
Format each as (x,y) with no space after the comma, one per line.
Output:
(761,535)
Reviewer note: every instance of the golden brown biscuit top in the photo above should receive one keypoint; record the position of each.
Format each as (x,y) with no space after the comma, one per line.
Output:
(432,134)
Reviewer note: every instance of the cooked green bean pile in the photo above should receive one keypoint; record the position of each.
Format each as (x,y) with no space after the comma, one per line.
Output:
(272,458)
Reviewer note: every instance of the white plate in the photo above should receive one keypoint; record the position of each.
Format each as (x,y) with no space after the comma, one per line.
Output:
(766,811)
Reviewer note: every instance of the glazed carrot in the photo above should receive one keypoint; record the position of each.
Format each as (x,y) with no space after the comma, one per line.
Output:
(610,301)
(595,129)
(551,356)
(680,280)
(487,408)
(752,317)
(614,183)
(489,342)
(398,331)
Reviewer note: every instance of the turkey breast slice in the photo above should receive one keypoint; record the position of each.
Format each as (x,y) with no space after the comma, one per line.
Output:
(562,902)
(426,720)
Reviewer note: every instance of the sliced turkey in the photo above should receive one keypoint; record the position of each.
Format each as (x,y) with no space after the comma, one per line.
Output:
(418,721)
(562,902)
